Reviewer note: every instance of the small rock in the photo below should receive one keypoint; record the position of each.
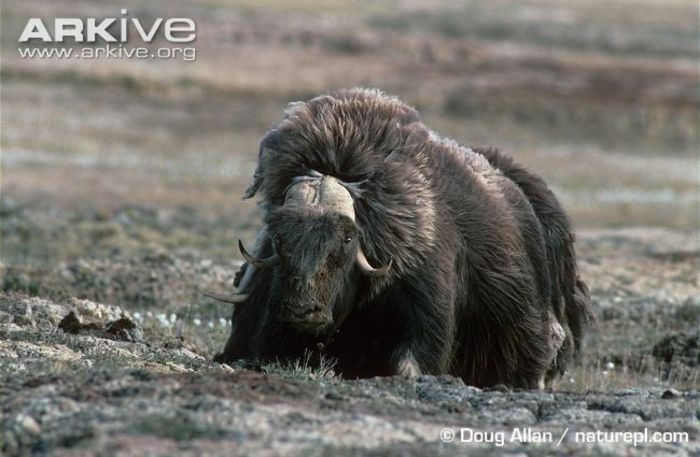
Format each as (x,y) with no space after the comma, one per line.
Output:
(71,324)
(28,424)
(226,368)
(124,329)
(670,394)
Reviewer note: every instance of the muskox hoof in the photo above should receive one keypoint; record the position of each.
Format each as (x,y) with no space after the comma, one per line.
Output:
(408,367)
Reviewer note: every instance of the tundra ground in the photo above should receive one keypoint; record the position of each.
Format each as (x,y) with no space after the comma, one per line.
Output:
(121,186)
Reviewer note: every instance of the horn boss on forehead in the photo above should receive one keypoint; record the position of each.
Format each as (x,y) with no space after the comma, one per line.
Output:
(325,192)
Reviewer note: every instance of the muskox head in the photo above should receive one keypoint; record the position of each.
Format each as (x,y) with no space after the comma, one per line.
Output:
(318,266)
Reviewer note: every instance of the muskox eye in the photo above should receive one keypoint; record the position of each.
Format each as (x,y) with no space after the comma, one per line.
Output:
(348,239)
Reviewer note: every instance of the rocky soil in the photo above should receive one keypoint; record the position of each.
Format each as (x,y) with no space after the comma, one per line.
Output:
(138,379)
(120,202)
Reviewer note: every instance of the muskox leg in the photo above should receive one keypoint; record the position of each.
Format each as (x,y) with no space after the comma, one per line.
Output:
(249,330)
(503,331)
(238,343)
(226,356)
(423,311)
(557,336)
(238,338)
(246,317)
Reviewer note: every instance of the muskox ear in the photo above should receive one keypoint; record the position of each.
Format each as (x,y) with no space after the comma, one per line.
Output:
(252,189)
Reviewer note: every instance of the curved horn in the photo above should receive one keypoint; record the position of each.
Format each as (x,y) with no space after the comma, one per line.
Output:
(368,269)
(271,261)
(235,298)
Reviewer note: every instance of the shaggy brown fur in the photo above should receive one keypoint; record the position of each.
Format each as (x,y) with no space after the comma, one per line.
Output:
(481,251)
(570,299)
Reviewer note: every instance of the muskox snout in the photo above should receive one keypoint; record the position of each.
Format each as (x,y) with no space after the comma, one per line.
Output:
(311,316)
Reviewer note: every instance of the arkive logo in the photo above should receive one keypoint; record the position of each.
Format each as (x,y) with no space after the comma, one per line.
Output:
(109,30)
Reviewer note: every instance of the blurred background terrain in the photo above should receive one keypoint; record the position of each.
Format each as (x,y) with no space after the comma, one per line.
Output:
(121,195)
(599,97)
(122,178)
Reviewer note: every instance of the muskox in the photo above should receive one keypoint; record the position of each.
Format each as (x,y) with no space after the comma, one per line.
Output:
(392,251)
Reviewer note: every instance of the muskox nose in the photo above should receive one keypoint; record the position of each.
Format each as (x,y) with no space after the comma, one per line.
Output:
(307,316)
